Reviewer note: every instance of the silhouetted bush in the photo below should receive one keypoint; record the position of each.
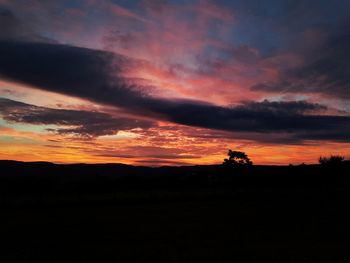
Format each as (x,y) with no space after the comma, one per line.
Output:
(332,160)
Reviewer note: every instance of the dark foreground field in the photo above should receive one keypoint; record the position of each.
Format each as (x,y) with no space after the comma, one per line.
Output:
(111,213)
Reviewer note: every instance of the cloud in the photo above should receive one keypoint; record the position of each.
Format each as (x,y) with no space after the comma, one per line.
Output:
(75,71)
(12,28)
(97,76)
(325,70)
(82,123)
(148,152)
(121,11)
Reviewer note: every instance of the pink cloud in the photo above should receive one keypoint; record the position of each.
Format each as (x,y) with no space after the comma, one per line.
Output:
(211,10)
(121,11)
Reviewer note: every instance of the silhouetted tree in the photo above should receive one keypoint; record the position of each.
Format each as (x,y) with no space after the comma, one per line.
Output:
(332,160)
(237,159)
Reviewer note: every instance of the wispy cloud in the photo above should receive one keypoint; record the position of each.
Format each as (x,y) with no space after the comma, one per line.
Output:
(79,123)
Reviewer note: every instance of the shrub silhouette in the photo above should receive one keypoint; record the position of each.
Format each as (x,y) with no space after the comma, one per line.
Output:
(237,159)
(332,160)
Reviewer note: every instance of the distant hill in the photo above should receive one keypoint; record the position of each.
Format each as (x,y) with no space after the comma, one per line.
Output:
(18,168)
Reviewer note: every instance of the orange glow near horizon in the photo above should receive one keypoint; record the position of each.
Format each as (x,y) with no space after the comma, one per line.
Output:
(165,144)
(153,148)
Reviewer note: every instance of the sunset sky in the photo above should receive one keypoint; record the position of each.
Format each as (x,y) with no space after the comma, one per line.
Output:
(165,82)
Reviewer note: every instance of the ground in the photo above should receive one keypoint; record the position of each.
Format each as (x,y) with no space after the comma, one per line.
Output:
(290,214)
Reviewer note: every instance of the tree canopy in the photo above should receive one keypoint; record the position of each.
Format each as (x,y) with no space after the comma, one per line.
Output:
(237,159)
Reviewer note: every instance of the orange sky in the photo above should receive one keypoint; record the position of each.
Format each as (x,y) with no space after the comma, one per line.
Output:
(165,144)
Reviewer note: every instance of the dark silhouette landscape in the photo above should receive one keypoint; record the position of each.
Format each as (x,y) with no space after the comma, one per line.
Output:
(218,213)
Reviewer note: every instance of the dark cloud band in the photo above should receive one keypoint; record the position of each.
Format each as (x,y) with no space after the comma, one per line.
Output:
(82,123)
(96,76)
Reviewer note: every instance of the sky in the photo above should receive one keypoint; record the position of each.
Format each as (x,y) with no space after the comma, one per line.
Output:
(165,82)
